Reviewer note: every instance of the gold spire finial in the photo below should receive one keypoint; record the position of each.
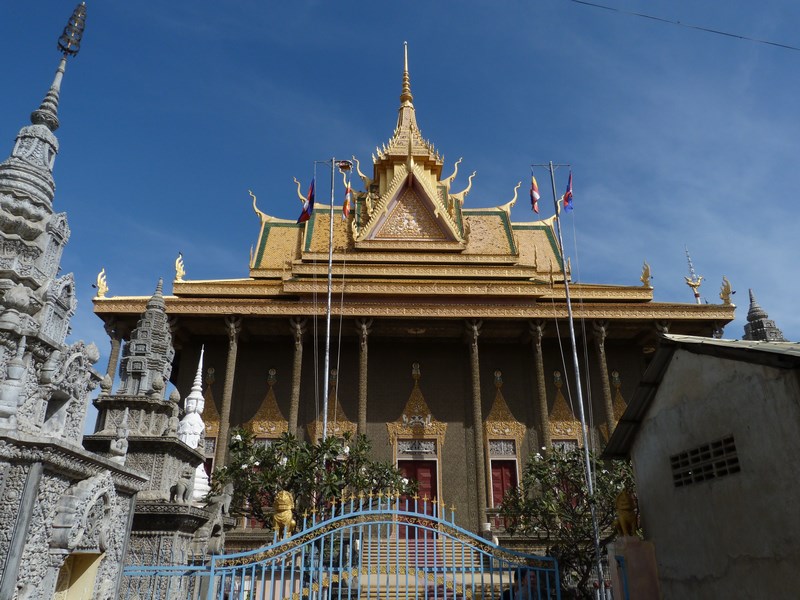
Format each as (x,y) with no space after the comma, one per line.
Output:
(406,95)
(180,270)
(102,285)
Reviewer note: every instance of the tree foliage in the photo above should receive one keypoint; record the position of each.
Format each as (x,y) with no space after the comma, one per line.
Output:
(553,504)
(315,473)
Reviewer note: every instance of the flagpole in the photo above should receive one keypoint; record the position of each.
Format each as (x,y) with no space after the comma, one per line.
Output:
(326,379)
(577,371)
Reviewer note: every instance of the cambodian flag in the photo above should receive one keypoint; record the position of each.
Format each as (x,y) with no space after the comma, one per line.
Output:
(534,195)
(568,194)
(308,205)
(346,207)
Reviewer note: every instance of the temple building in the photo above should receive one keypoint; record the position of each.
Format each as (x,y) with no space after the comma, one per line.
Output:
(448,323)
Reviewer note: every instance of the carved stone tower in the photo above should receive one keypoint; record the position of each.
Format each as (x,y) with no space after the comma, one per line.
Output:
(64,512)
(759,326)
(147,359)
(165,521)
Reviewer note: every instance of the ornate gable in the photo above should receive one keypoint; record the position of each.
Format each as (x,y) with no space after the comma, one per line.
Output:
(412,212)
(338,424)
(500,423)
(564,427)
(416,422)
(268,421)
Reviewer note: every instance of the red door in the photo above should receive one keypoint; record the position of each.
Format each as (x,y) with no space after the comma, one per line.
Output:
(504,478)
(424,473)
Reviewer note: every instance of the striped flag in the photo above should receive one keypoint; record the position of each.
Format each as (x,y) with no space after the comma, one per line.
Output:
(534,195)
(346,207)
(568,194)
(308,205)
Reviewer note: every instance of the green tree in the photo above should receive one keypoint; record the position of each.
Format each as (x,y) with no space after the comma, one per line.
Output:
(315,473)
(552,504)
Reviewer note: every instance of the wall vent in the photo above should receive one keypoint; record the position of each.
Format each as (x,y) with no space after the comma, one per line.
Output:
(704,463)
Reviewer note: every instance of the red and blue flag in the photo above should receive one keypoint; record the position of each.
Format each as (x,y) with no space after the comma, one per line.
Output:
(568,194)
(308,205)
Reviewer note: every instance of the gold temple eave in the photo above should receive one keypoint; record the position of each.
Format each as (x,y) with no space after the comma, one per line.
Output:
(414,308)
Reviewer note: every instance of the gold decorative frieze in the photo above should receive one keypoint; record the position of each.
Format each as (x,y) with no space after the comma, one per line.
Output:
(416,420)
(268,420)
(500,423)
(338,424)
(563,424)
(414,308)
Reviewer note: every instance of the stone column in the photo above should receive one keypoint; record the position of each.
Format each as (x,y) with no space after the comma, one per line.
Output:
(114,332)
(473,331)
(600,333)
(298,326)
(234,325)
(537,331)
(23,502)
(363,331)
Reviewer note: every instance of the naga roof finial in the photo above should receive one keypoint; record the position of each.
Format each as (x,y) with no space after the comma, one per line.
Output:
(406,96)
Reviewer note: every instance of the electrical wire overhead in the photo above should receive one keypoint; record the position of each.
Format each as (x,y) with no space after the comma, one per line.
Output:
(687,25)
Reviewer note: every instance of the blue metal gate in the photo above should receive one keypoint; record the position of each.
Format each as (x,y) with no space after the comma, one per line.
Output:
(362,548)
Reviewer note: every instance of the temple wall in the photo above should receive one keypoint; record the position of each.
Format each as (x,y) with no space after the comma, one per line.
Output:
(445,383)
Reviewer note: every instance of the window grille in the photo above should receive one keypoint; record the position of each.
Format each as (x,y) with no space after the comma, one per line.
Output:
(709,461)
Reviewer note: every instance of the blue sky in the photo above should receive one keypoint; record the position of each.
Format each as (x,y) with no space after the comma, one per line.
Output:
(173,110)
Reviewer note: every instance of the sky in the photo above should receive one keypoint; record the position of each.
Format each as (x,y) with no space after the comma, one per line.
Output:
(172,110)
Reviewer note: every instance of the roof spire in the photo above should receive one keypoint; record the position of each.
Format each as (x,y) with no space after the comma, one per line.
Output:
(68,44)
(759,326)
(694,280)
(406,96)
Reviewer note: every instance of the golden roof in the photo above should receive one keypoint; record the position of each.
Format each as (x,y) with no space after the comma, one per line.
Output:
(410,249)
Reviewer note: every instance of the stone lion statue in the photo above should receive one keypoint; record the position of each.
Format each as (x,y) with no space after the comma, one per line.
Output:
(282,517)
(626,523)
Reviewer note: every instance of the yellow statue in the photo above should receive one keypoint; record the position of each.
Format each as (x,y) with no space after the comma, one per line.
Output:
(102,285)
(283,517)
(726,291)
(626,523)
(180,271)
(645,278)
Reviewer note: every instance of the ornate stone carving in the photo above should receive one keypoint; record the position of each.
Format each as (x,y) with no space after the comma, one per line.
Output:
(502,448)
(416,448)
(147,358)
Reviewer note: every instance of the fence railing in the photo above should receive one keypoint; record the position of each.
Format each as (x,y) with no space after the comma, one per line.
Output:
(363,547)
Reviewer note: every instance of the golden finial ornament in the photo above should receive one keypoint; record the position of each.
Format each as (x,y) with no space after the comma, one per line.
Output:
(259,212)
(726,292)
(406,94)
(101,285)
(645,278)
(180,271)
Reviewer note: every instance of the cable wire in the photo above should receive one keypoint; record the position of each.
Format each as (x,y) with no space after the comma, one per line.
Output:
(687,25)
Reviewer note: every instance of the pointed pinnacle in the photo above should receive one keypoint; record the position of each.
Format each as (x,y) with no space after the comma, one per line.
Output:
(406,96)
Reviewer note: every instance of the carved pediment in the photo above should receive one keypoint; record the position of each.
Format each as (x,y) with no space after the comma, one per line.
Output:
(338,424)
(500,423)
(268,420)
(416,421)
(563,424)
(412,211)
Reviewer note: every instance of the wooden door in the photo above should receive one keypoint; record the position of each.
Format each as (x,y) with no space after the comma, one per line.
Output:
(504,478)
(424,473)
